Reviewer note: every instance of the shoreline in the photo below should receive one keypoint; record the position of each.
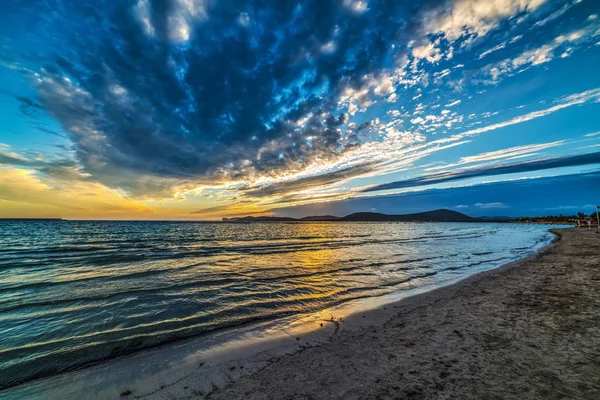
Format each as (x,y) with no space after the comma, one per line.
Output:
(211,360)
(527,329)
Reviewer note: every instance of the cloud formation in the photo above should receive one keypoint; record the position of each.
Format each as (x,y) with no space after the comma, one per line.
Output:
(22,191)
(503,154)
(473,18)
(463,21)
(204,91)
(275,102)
(519,167)
(536,197)
(495,204)
(561,46)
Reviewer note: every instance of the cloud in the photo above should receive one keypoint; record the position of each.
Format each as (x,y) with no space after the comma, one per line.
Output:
(175,23)
(234,209)
(430,52)
(593,146)
(258,99)
(563,45)
(306,183)
(584,208)
(461,206)
(305,198)
(463,21)
(475,18)
(493,49)
(358,6)
(491,205)
(592,95)
(23,193)
(556,13)
(179,92)
(9,157)
(509,153)
(519,167)
(534,194)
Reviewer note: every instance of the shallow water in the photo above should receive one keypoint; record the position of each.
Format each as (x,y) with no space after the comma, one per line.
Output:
(72,293)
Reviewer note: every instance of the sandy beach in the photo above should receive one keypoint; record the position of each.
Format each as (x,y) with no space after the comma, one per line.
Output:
(530,329)
(326,199)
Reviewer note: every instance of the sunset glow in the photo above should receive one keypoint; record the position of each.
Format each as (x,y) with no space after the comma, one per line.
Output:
(202,110)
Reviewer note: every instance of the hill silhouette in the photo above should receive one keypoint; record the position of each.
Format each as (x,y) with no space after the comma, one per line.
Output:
(441,215)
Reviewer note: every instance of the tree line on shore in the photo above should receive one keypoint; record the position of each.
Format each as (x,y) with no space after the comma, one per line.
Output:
(557,219)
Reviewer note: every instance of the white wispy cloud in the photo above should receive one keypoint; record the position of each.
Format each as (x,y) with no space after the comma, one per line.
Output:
(578,208)
(562,46)
(491,205)
(592,95)
(180,20)
(476,17)
(396,149)
(508,154)
(556,13)
(358,6)
(493,49)
(500,46)
(465,20)
(593,146)
(430,52)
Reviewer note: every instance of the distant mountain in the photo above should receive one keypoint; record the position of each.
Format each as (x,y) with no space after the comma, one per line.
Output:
(31,219)
(259,219)
(441,215)
(496,219)
(320,218)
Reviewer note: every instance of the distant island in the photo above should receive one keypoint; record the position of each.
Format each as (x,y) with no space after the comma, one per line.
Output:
(441,215)
(31,219)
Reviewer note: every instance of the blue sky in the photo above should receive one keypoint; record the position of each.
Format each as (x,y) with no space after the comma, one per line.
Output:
(200,109)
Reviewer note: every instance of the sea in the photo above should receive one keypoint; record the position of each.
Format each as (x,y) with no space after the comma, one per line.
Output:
(76,293)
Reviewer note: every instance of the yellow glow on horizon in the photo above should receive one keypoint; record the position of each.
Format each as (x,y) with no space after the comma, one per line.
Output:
(24,195)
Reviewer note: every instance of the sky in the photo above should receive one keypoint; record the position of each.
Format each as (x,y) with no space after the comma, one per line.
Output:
(203,109)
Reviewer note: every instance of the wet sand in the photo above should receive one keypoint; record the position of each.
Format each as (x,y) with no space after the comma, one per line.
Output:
(527,330)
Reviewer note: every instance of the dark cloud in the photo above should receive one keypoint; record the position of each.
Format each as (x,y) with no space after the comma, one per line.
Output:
(310,181)
(19,160)
(303,197)
(49,131)
(525,166)
(12,160)
(154,89)
(29,107)
(535,197)
(227,209)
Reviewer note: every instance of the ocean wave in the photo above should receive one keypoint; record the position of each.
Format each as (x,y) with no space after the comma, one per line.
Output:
(97,290)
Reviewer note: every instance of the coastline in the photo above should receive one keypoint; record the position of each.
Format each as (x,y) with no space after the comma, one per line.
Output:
(527,329)
(201,367)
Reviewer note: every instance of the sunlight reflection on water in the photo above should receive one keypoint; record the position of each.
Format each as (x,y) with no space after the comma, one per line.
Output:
(75,292)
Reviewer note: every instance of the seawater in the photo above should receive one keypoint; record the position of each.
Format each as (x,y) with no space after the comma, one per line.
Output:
(74,293)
